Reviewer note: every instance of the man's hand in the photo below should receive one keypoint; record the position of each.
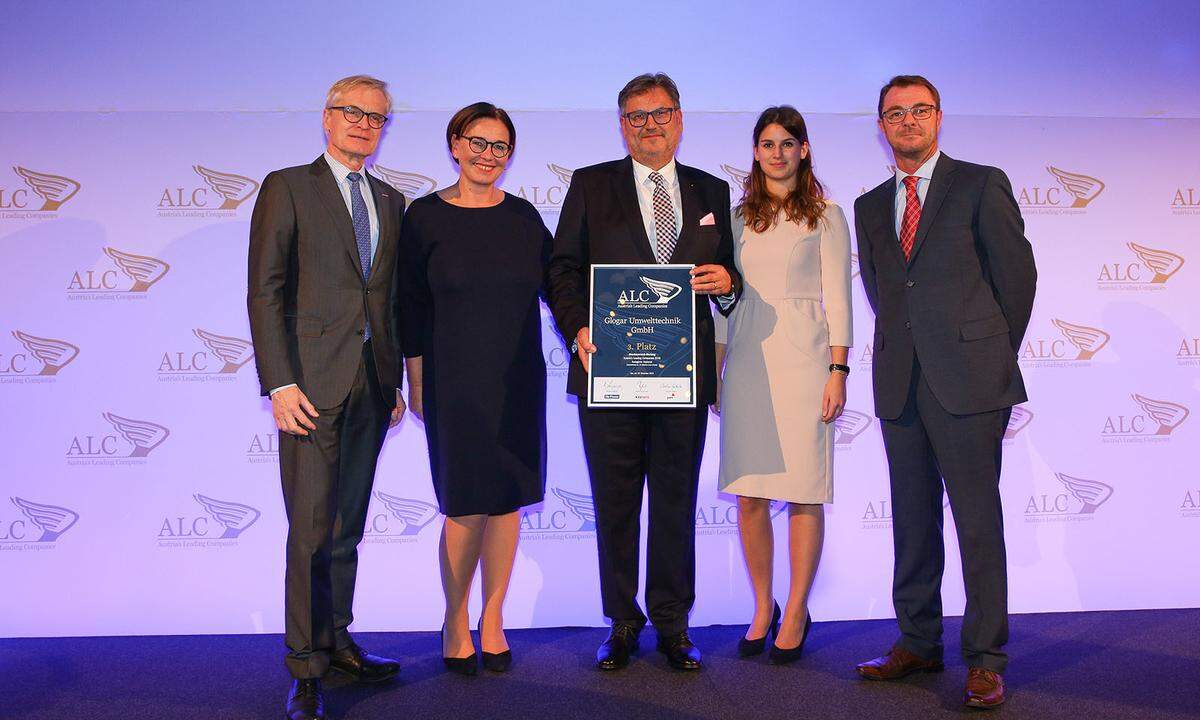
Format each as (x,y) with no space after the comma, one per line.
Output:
(398,411)
(584,340)
(292,411)
(416,400)
(716,405)
(711,280)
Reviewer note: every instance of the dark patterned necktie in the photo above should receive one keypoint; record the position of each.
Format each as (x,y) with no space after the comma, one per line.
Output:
(362,232)
(664,220)
(912,215)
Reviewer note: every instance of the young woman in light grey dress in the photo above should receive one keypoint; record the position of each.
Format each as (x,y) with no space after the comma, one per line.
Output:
(783,351)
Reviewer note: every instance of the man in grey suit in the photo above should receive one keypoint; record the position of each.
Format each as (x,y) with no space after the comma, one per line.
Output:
(951,278)
(321,295)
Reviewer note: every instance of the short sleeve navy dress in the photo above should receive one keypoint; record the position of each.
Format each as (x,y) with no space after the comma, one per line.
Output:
(471,280)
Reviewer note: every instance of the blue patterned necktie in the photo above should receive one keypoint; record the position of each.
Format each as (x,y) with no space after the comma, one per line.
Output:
(362,232)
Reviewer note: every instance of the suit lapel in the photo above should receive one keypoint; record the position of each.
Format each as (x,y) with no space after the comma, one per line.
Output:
(689,197)
(887,210)
(331,198)
(626,190)
(383,213)
(939,185)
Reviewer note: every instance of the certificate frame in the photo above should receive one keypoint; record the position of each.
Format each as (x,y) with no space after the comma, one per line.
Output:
(647,364)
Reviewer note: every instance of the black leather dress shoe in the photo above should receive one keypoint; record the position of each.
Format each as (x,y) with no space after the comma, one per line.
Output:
(305,701)
(681,653)
(363,666)
(615,651)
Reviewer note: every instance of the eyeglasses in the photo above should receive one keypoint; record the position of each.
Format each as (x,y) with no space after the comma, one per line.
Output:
(661,116)
(354,114)
(895,116)
(478,145)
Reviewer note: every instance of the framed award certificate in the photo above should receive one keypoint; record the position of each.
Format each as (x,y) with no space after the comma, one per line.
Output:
(643,321)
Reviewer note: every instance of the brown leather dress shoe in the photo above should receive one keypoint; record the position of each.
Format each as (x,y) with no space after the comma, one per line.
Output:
(985,689)
(896,664)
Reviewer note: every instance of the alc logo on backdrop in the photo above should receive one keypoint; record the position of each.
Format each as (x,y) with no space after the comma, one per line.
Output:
(1154,424)
(721,519)
(42,196)
(219,361)
(878,513)
(1185,201)
(1071,196)
(398,521)
(263,448)
(1017,421)
(129,442)
(38,361)
(1077,346)
(548,196)
(219,196)
(1188,352)
(1077,500)
(410,184)
(126,277)
(847,427)
(565,515)
(1150,271)
(33,525)
(222,523)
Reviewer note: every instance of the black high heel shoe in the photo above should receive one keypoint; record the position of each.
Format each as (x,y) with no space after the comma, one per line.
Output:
(495,662)
(462,666)
(783,656)
(750,648)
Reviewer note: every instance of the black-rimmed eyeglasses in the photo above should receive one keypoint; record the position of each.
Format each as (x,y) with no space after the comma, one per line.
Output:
(353,114)
(895,116)
(478,145)
(661,116)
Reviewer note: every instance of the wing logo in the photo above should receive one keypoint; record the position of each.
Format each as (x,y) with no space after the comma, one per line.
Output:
(1163,263)
(563,174)
(1017,421)
(1168,415)
(53,354)
(855,267)
(53,189)
(235,189)
(1090,493)
(737,177)
(144,436)
(665,291)
(234,517)
(1083,188)
(1088,340)
(410,184)
(581,506)
(412,514)
(235,352)
(143,270)
(52,520)
(848,426)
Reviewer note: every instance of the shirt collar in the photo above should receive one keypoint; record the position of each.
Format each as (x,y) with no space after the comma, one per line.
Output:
(924,172)
(641,173)
(340,171)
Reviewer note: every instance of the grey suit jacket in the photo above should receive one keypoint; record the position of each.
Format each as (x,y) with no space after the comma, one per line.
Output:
(962,301)
(306,295)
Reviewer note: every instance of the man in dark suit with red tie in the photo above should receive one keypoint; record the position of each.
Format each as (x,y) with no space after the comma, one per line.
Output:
(321,294)
(645,209)
(951,278)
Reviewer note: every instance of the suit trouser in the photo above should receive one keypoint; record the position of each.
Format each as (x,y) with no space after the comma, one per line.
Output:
(925,446)
(626,450)
(327,477)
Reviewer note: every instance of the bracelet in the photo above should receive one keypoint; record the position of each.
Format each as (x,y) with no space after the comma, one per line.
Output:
(843,369)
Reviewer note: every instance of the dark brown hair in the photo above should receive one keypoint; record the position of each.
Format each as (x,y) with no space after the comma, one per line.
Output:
(806,203)
(464,118)
(645,83)
(908,81)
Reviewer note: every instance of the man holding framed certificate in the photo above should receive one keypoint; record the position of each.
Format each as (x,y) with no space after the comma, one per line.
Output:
(643,243)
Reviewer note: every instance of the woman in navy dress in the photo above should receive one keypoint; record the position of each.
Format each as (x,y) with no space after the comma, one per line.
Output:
(474,260)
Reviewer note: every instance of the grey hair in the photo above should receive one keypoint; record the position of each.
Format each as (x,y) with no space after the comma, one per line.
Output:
(349,83)
(645,83)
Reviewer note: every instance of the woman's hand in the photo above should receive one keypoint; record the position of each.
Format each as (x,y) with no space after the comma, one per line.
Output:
(833,401)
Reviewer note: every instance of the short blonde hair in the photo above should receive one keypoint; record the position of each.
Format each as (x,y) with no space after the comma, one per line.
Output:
(348,83)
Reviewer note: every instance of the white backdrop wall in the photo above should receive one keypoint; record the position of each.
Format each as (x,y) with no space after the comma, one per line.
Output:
(140,490)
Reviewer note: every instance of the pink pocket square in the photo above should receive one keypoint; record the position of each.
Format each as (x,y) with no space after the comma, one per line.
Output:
(708,220)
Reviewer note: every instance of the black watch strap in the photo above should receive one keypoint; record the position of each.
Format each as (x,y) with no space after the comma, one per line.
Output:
(844,369)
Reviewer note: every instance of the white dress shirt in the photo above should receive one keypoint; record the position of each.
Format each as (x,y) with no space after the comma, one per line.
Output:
(925,175)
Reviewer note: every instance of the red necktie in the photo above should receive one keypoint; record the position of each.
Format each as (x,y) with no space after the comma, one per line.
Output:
(912,215)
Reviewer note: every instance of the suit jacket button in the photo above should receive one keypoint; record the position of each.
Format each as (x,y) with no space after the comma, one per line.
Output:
(907,325)
(910,283)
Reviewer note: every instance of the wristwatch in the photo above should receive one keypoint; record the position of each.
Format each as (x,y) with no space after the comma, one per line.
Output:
(574,347)
(843,369)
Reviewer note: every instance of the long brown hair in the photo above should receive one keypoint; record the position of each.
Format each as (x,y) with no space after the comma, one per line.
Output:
(806,203)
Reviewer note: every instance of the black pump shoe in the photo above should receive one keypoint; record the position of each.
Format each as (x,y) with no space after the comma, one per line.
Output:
(750,648)
(462,666)
(783,656)
(495,662)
